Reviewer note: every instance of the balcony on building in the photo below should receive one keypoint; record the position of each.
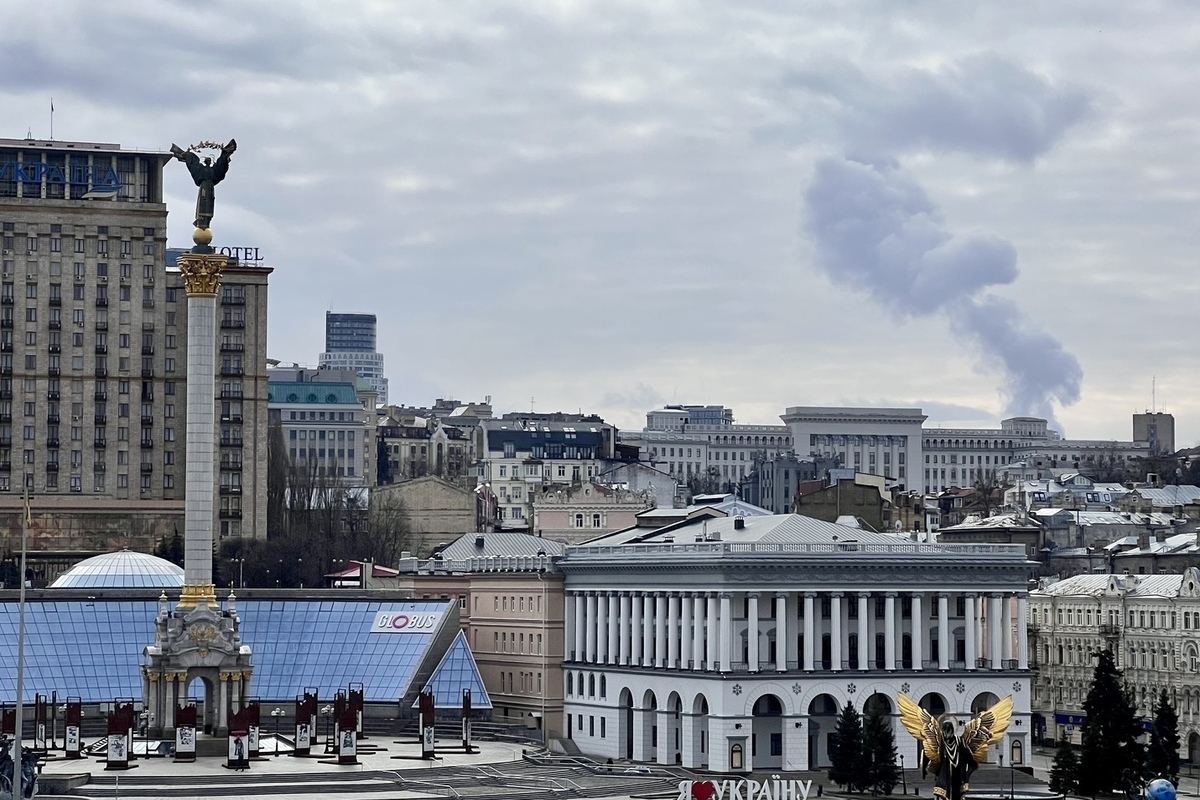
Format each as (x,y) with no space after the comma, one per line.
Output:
(51,442)
(56,325)
(231,442)
(101,302)
(227,394)
(232,347)
(101,349)
(147,468)
(101,419)
(147,444)
(235,324)
(101,395)
(52,394)
(100,442)
(53,419)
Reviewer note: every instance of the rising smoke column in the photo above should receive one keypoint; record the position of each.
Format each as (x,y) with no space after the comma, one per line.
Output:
(876,230)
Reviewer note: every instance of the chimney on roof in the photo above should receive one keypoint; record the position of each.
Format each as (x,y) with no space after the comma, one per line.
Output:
(739,523)
(479,541)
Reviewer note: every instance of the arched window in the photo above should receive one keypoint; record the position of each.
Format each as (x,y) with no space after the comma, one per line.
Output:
(591,685)
(579,520)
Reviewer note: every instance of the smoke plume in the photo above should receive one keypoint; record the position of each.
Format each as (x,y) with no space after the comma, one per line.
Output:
(876,230)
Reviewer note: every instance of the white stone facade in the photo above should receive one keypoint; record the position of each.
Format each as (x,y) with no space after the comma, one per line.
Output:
(745,633)
(879,441)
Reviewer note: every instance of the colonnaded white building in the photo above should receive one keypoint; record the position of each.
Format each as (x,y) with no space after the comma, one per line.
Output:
(732,644)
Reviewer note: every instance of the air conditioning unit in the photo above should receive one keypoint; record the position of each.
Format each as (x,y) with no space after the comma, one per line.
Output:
(102,278)
(150,281)
(75,418)
(8,252)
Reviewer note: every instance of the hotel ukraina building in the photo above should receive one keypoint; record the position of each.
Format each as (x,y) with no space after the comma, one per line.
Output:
(93,343)
(758,630)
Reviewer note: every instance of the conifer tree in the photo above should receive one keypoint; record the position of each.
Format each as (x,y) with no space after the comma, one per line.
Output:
(1111,757)
(1064,772)
(1162,757)
(846,756)
(879,752)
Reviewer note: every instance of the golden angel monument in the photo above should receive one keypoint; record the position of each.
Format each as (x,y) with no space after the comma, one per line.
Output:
(953,758)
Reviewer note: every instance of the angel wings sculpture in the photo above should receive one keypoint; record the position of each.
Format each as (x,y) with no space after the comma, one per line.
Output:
(952,758)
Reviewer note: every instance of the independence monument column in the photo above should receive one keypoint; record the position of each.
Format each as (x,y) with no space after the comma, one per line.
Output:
(199,639)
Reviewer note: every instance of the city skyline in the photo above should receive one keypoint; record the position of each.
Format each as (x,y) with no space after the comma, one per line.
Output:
(665,220)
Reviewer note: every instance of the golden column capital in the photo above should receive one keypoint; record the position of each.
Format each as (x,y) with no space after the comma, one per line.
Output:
(201,273)
(194,594)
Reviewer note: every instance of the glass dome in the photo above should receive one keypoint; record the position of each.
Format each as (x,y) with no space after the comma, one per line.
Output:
(124,569)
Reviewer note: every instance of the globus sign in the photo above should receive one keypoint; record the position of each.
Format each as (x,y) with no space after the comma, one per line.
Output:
(406,622)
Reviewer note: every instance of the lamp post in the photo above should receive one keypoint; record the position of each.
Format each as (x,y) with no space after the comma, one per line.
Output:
(277,713)
(300,571)
(903,778)
(327,712)
(241,562)
(1000,754)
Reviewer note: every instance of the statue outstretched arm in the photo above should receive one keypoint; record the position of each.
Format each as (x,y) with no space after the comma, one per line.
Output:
(221,167)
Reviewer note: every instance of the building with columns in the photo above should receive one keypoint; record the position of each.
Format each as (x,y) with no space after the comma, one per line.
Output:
(732,644)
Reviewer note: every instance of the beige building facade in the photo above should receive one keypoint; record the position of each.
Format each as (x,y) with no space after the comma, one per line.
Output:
(511,610)
(437,511)
(576,513)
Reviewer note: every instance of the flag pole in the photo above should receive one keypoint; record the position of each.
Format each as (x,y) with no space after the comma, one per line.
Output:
(51,117)
(18,721)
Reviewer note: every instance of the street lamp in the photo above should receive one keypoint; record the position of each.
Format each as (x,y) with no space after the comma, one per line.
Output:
(241,562)
(1000,754)
(327,712)
(300,571)
(903,778)
(277,714)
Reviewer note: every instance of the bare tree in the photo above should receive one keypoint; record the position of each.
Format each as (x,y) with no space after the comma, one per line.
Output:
(989,491)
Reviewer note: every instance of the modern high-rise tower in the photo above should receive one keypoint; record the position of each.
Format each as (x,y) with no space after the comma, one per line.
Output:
(350,343)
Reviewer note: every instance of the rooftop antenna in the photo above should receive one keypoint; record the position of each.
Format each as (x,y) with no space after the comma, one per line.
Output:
(1153,394)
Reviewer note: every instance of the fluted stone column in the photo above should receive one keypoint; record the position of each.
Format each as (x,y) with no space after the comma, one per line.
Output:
(971,629)
(917,626)
(592,603)
(809,632)
(614,627)
(995,623)
(673,631)
(782,632)
(201,279)
(601,626)
(648,630)
(889,631)
(752,632)
(943,632)
(624,633)
(1007,629)
(864,633)
(580,627)
(835,632)
(713,618)
(686,638)
(1023,632)
(637,638)
(726,631)
(700,624)
(660,630)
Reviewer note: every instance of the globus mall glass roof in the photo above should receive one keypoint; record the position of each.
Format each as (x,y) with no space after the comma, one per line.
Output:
(91,647)
(124,568)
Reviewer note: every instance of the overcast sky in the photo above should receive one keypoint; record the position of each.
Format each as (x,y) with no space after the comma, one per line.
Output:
(613,205)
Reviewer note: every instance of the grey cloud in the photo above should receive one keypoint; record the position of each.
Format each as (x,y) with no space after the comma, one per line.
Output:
(876,230)
(981,105)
